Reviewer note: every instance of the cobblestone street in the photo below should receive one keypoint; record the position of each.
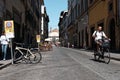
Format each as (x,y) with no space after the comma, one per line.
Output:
(63,64)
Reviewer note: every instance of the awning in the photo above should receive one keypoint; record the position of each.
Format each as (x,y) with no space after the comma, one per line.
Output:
(48,39)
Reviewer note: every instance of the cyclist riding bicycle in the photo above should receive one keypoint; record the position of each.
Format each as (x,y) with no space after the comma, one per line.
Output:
(98,36)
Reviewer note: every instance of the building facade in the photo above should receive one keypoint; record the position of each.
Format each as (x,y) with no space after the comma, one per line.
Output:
(74,25)
(82,23)
(2,13)
(63,23)
(84,16)
(27,18)
(44,24)
(104,13)
(54,35)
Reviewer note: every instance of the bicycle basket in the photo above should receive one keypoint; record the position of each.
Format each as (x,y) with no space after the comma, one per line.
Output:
(106,44)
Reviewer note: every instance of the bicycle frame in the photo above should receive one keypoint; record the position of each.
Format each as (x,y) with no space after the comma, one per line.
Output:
(32,57)
(20,48)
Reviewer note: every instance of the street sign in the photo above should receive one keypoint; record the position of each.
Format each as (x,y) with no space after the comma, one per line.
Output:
(9,32)
(38,38)
(9,28)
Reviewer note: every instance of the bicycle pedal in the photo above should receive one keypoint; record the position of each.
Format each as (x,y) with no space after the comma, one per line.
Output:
(25,57)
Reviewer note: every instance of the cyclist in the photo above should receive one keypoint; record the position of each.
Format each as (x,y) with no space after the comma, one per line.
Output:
(98,36)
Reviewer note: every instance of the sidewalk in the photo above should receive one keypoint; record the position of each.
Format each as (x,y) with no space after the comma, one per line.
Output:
(114,56)
(4,64)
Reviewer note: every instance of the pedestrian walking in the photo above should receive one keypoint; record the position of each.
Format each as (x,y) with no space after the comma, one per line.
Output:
(4,43)
(68,45)
(72,46)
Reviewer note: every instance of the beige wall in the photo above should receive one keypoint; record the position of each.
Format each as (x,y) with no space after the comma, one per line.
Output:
(99,12)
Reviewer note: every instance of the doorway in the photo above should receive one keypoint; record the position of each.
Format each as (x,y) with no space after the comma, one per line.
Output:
(92,39)
(112,34)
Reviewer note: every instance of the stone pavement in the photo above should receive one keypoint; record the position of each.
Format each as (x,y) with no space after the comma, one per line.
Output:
(114,56)
(5,63)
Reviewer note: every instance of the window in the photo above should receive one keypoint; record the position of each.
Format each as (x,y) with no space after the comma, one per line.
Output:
(78,9)
(110,7)
(82,6)
(118,12)
(90,1)
(86,4)
(119,7)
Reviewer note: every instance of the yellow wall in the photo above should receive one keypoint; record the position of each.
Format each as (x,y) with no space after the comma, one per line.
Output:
(99,12)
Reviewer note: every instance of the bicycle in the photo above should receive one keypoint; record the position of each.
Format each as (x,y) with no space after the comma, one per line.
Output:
(27,55)
(103,52)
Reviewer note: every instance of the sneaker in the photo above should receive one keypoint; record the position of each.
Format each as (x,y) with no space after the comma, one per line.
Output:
(4,59)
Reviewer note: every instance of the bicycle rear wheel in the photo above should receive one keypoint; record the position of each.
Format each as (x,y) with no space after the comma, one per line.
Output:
(36,57)
(17,56)
(20,57)
(107,56)
(96,56)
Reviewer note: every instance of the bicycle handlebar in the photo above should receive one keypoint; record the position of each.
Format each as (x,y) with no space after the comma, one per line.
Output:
(25,45)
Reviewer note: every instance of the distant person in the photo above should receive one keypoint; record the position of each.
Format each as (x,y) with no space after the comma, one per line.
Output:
(4,43)
(68,45)
(72,46)
(56,44)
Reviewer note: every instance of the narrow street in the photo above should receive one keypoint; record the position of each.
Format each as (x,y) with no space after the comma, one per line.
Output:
(63,64)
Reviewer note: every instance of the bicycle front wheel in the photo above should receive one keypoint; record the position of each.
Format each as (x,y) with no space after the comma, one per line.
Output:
(107,56)
(36,57)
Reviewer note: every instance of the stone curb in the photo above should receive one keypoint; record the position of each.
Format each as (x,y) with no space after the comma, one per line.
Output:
(5,65)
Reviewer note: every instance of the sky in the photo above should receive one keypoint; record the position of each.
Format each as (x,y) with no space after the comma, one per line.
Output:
(54,8)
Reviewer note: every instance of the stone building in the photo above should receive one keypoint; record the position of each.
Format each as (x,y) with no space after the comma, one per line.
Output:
(74,24)
(54,35)
(104,13)
(82,23)
(27,18)
(83,17)
(2,13)
(63,35)
(44,24)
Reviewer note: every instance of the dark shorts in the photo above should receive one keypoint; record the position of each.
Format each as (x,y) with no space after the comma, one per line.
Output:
(98,41)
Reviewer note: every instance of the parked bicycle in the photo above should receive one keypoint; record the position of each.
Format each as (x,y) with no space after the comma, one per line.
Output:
(103,52)
(27,55)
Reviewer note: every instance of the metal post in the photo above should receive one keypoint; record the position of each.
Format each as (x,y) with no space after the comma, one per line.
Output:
(38,47)
(11,50)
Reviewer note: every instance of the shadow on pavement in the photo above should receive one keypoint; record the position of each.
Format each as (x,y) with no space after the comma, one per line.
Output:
(100,61)
(1,64)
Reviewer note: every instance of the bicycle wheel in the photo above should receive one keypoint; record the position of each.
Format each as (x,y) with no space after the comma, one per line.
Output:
(17,56)
(96,56)
(20,57)
(35,57)
(107,56)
